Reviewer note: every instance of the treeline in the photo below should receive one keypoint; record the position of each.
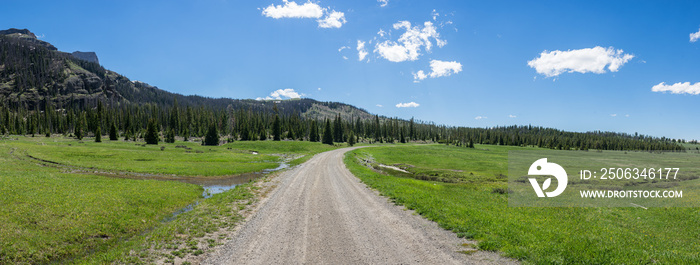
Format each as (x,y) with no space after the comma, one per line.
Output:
(131,122)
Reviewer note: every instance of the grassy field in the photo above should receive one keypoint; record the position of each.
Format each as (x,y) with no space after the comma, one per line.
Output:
(470,207)
(51,215)
(48,215)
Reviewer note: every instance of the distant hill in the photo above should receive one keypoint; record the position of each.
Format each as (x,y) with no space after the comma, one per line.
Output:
(32,71)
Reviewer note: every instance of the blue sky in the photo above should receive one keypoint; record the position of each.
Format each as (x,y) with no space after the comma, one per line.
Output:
(572,65)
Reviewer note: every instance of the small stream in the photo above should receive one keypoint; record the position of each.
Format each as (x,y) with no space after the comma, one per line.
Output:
(216,185)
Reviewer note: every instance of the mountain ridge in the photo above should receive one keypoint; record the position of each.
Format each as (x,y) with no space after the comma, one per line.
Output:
(32,71)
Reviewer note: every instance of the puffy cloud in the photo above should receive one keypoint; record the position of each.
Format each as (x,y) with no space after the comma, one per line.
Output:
(480,117)
(278,94)
(293,10)
(383,3)
(361,51)
(334,19)
(593,60)
(444,68)
(420,75)
(439,69)
(409,45)
(407,105)
(695,36)
(678,88)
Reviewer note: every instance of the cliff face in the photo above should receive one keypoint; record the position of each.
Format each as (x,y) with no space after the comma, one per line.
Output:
(27,36)
(86,56)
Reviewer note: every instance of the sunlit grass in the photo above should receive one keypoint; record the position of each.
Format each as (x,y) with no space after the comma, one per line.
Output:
(533,235)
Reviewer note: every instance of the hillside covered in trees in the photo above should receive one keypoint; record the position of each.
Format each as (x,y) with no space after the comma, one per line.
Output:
(45,91)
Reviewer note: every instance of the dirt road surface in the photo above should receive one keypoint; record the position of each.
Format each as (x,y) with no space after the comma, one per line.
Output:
(320,213)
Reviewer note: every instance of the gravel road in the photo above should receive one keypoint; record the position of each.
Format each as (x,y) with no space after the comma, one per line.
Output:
(320,213)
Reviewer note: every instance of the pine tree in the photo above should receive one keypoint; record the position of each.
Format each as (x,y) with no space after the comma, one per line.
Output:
(313,135)
(151,136)
(113,132)
(212,137)
(328,133)
(263,133)
(170,136)
(338,129)
(351,139)
(98,135)
(79,129)
(276,130)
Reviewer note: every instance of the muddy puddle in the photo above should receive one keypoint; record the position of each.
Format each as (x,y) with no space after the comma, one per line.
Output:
(214,185)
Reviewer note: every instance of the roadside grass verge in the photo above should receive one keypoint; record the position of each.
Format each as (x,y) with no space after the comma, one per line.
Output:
(301,151)
(188,234)
(473,209)
(47,215)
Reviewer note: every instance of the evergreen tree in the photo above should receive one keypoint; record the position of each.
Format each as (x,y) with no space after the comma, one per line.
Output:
(113,132)
(402,137)
(98,135)
(151,136)
(212,137)
(338,129)
(78,131)
(170,136)
(351,139)
(276,130)
(263,133)
(328,133)
(313,135)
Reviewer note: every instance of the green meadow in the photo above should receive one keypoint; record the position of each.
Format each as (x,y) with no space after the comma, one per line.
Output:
(51,213)
(466,191)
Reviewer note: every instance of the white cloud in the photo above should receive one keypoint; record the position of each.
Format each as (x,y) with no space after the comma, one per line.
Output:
(361,51)
(420,75)
(480,117)
(444,68)
(343,48)
(379,105)
(293,10)
(383,3)
(319,89)
(613,115)
(345,57)
(334,19)
(279,94)
(439,69)
(407,105)
(695,36)
(409,45)
(435,14)
(593,60)
(512,116)
(381,33)
(678,88)
(627,115)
